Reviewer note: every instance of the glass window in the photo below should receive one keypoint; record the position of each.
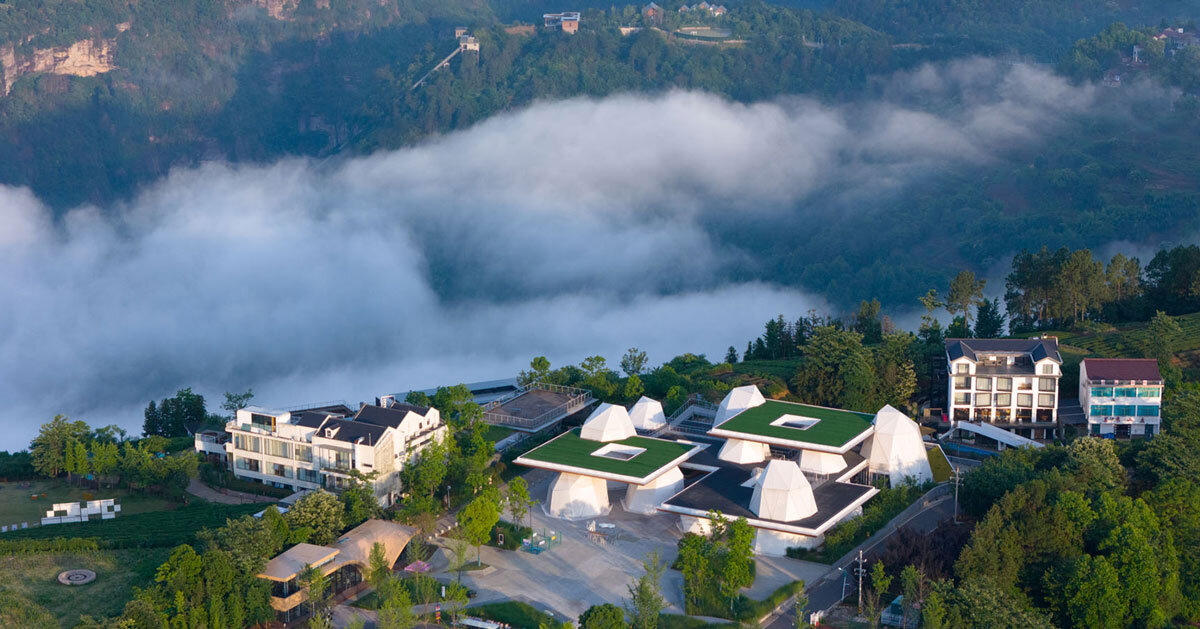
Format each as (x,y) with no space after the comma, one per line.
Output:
(1004,384)
(962,398)
(962,368)
(1126,392)
(1003,399)
(1124,410)
(1149,392)
(311,476)
(1095,428)
(1047,384)
(1025,400)
(983,384)
(1147,411)
(250,465)
(1102,392)
(1101,409)
(275,447)
(1048,369)
(304,453)
(962,382)
(262,421)
(247,442)
(281,470)
(983,399)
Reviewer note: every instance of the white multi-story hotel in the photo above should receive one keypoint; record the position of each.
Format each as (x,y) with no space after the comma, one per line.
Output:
(1121,397)
(1009,383)
(319,447)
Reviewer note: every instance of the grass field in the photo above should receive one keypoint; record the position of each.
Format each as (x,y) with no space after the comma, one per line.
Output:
(496,433)
(939,465)
(784,369)
(17,506)
(31,583)
(153,529)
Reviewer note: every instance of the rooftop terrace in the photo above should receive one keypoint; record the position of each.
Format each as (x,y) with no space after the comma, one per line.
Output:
(796,425)
(636,459)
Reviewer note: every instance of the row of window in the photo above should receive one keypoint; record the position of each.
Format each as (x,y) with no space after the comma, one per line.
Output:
(1126,392)
(1124,410)
(277,469)
(273,447)
(964,368)
(1024,400)
(984,383)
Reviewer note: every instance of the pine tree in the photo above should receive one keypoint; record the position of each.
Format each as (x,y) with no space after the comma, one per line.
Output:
(731,356)
(153,423)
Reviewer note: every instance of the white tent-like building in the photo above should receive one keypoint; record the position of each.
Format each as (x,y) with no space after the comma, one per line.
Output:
(576,497)
(647,414)
(738,400)
(645,499)
(608,422)
(896,449)
(782,493)
(821,463)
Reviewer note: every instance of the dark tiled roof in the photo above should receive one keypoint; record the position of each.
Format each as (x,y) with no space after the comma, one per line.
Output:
(1122,369)
(405,406)
(351,431)
(332,409)
(1037,349)
(310,419)
(386,416)
(722,490)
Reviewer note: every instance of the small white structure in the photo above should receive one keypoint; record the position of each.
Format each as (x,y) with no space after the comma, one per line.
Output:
(645,499)
(738,400)
(576,497)
(647,414)
(782,493)
(744,452)
(608,422)
(68,512)
(821,463)
(896,449)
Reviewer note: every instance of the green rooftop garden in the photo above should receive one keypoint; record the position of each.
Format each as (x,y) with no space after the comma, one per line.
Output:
(834,427)
(570,449)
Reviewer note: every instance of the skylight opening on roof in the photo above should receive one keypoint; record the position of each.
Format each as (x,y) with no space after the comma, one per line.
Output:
(618,452)
(795,422)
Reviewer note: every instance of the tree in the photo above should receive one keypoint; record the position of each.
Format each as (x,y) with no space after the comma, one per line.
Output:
(477,519)
(867,322)
(236,401)
(731,355)
(633,363)
(959,328)
(989,322)
(48,451)
(645,596)
(933,612)
(912,585)
(800,610)
(965,291)
(358,500)
(378,570)
(456,600)
(1091,595)
(880,583)
(1079,286)
(738,569)
(1164,338)
(320,511)
(395,612)
(539,371)
(633,388)
(517,499)
(105,459)
(458,553)
(606,616)
(317,589)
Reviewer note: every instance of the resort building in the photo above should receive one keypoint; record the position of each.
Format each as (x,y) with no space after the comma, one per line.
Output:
(1121,397)
(567,22)
(321,447)
(793,471)
(345,564)
(1007,383)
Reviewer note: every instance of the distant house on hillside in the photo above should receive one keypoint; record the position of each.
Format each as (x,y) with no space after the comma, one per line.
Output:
(567,22)
(1121,397)
(652,13)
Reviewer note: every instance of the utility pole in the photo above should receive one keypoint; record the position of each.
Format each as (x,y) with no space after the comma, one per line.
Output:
(860,578)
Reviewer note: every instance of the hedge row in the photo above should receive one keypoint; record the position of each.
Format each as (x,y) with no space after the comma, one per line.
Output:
(52,545)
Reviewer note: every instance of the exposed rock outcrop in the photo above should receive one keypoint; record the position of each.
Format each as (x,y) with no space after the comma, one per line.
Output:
(83,58)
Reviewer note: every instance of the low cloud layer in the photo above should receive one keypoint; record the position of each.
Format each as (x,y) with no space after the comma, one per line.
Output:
(566,229)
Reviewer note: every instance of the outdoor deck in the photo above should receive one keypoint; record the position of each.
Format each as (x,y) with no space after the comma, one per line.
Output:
(536,407)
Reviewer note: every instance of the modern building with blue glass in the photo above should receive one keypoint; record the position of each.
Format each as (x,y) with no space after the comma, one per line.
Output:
(1121,397)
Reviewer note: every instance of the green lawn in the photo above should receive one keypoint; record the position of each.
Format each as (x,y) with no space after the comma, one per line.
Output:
(939,465)
(570,449)
(153,529)
(496,433)
(515,613)
(31,579)
(16,504)
(835,428)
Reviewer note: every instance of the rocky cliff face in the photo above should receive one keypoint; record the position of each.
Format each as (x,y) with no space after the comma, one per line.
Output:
(83,58)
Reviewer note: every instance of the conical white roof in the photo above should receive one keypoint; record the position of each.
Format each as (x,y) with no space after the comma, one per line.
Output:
(896,448)
(738,400)
(782,493)
(647,414)
(608,422)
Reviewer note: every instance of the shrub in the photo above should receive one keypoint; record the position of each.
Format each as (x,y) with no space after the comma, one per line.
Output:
(876,514)
(515,613)
(513,534)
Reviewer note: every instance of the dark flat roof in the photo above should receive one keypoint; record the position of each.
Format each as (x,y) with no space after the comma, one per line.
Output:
(1037,349)
(380,416)
(1122,369)
(722,490)
(351,431)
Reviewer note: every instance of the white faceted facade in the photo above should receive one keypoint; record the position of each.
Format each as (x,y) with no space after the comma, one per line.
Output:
(608,422)
(647,414)
(575,497)
(744,452)
(775,543)
(645,499)
(896,449)
(738,400)
(783,493)
(821,463)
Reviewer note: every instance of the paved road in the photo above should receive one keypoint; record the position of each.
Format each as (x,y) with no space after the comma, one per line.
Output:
(825,594)
(199,489)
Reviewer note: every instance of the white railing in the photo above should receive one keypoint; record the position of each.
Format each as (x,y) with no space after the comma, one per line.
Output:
(577,399)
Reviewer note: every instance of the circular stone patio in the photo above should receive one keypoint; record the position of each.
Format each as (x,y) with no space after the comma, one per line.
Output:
(76,577)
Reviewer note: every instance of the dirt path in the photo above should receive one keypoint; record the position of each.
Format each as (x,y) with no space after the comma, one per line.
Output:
(200,490)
